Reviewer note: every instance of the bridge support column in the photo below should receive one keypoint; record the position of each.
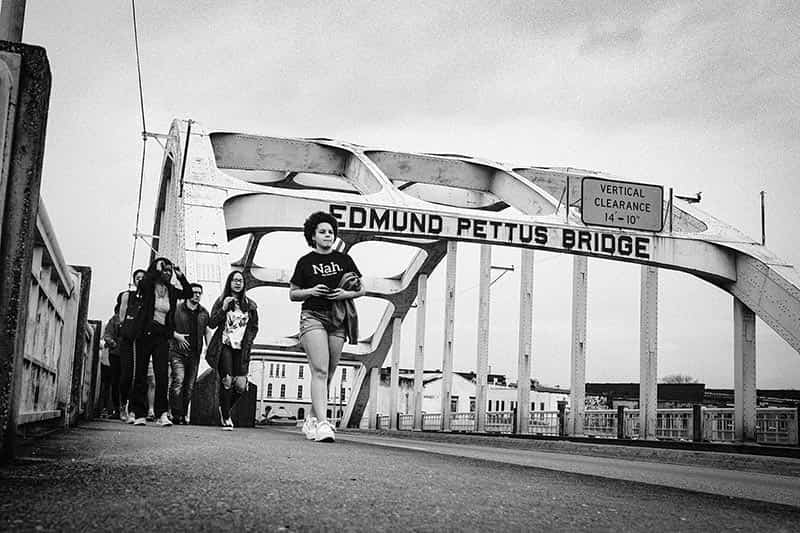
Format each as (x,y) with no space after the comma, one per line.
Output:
(394,376)
(374,380)
(577,386)
(648,353)
(744,371)
(449,331)
(525,349)
(419,349)
(482,363)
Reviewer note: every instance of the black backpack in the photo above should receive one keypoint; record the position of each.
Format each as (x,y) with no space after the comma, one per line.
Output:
(130,320)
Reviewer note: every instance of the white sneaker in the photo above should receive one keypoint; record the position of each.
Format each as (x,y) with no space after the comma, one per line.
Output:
(132,418)
(325,432)
(227,424)
(310,428)
(139,421)
(164,420)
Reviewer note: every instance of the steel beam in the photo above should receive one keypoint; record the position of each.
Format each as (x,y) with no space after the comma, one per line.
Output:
(419,349)
(394,376)
(524,352)
(482,361)
(577,387)
(449,331)
(648,353)
(374,382)
(744,371)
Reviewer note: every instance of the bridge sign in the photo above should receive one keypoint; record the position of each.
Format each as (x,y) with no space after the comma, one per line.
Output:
(622,204)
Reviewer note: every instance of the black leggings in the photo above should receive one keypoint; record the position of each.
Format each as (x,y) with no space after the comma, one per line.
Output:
(153,342)
(115,370)
(230,389)
(125,371)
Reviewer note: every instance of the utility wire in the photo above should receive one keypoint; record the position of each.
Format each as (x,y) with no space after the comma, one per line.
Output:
(138,65)
(144,135)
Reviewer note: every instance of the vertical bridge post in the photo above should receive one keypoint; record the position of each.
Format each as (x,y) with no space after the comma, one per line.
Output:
(482,364)
(374,379)
(525,348)
(577,387)
(744,371)
(394,376)
(648,353)
(449,331)
(419,349)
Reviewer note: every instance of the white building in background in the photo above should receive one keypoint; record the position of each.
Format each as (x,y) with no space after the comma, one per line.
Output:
(501,395)
(288,385)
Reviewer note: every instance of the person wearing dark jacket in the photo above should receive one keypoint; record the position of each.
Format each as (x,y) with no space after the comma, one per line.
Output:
(235,317)
(191,328)
(111,340)
(128,305)
(154,327)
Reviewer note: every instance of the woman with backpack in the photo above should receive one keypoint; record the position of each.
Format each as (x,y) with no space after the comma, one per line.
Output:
(128,305)
(235,317)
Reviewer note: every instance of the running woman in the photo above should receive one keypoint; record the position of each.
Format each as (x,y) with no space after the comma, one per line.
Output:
(235,317)
(316,282)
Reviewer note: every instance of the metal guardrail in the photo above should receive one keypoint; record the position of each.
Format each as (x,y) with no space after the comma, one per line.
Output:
(382,422)
(431,422)
(405,422)
(500,422)
(462,422)
(600,423)
(674,424)
(543,423)
(775,425)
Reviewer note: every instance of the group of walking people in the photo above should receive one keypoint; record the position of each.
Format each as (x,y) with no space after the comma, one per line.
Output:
(161,320)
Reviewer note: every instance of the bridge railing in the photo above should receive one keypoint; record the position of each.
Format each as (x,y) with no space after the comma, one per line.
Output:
(544,423)
(600,423)
(405,422)
(462,422)
(61,351)
(774,425)
(500,421)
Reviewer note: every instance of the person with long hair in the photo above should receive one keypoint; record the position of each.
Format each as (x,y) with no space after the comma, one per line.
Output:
(326,281)
(128,305)
(155,326)
(235,317)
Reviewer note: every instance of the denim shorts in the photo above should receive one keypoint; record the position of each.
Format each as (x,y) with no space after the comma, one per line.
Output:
(311,320)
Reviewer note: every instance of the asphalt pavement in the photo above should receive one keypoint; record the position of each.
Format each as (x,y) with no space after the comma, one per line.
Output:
(108,476)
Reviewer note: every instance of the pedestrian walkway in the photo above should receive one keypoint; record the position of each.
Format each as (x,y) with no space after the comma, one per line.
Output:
(111,476)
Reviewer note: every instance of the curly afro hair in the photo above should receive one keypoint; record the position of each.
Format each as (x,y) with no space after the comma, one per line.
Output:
(314,220)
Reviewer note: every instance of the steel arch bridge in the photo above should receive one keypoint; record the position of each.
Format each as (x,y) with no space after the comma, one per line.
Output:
(215,187)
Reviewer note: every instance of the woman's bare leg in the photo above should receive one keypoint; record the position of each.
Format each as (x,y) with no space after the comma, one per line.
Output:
(315,344)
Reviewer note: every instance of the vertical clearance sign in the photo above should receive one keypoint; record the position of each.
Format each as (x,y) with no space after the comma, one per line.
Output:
(398,222)
(622,204)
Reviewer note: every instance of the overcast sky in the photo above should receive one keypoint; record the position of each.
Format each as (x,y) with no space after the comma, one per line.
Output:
(699,98)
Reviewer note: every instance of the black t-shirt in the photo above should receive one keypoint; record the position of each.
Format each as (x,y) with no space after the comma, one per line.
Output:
(315,268)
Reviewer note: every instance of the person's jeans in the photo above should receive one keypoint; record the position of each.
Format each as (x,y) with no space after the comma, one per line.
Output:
(152,342)
(231,384)
(184,374)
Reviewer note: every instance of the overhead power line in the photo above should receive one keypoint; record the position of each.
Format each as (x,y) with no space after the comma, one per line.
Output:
(136,234)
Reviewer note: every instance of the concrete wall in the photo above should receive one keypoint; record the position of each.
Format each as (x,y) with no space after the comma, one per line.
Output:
(24,100)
